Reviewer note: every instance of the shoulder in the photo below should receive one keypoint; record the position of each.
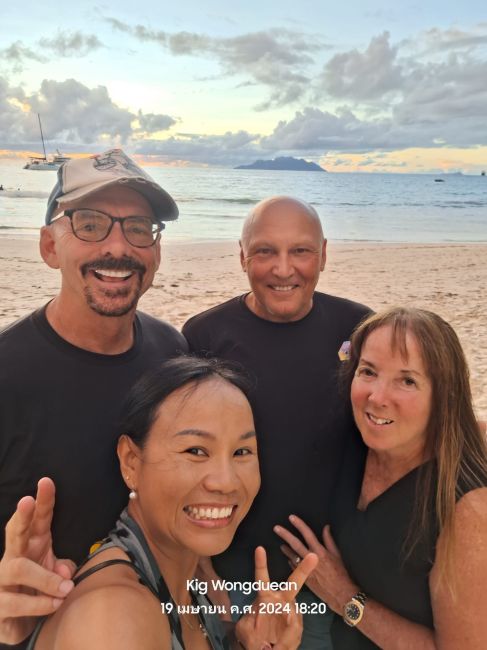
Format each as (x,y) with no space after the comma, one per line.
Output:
(471,513)
(18,328)
(109,609)
(458,622)
(160,333)
(209,316)
(469,535)
(339,313)
(116,616)
(342,305)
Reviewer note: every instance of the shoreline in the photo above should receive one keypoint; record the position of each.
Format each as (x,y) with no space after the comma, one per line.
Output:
(444,277)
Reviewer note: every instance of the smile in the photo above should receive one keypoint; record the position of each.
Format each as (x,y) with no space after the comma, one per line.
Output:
(377,420)
(209,513)
(105,274)
(288,287)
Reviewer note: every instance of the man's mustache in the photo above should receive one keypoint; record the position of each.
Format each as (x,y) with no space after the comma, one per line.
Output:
(124,263)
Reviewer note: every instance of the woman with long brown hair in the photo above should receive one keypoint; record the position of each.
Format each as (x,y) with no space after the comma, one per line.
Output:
(404,564)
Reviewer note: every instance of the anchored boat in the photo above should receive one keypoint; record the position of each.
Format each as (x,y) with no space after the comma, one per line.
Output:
(43,163)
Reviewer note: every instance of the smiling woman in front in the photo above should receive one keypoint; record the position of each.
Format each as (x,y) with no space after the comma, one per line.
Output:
(404,565)
(189,457)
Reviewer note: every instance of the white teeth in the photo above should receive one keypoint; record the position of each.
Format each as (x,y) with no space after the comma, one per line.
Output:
(209,513)
(379,420)
(114,274)
(287,288)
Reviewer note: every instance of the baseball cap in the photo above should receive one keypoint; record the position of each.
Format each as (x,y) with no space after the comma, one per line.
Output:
(79,178)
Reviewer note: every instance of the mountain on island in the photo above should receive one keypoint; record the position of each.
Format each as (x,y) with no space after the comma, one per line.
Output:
(285,162)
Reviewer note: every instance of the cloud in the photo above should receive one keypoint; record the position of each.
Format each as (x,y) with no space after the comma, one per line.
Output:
(364,75)
(225,149)
(67,44)
(152,122)
(87,115)
(277,58)
(454,38)
(16,53)
(314,130)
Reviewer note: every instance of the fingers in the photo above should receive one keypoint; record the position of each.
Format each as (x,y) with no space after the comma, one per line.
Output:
(32,517)
(309,537)
(294,542)
(44,506)
(329,542)
(15,605)
(18,528)
(21,572)
(260,559)
(301,573)
(291,636)
(65,568)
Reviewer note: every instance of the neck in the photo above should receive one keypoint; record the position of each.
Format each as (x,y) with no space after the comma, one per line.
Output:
(84,328)
(392,466)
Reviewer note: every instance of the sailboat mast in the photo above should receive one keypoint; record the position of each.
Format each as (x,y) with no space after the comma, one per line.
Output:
(42,135)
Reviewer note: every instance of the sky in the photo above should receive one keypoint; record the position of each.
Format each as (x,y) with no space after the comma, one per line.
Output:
(355,86)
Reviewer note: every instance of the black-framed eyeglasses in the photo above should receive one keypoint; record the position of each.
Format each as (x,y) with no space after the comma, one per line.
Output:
(95,226)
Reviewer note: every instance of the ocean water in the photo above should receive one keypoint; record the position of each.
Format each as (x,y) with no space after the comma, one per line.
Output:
(353,207)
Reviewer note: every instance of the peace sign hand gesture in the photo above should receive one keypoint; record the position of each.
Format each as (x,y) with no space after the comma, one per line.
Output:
(274,621)
(33,582)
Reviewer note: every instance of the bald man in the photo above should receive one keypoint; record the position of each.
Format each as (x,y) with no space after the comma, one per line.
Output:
(288,336)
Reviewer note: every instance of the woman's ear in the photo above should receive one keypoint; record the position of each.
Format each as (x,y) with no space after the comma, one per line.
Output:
(129,457)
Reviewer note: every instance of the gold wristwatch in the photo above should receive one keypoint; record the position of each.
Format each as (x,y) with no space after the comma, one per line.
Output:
(353,611)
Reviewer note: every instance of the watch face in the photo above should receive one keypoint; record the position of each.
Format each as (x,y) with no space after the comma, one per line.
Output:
(352,611)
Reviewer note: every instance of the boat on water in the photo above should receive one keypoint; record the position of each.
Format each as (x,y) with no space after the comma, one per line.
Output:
(45,163)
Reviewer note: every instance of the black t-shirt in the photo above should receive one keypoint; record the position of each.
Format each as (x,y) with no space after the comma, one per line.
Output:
(300,416)
(59,417)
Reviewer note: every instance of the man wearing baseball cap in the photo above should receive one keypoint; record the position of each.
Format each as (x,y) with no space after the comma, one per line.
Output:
(65,368)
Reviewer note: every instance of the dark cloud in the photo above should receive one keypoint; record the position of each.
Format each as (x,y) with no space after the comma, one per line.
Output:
(67,44)
(152,123)
(227,149)
(313,130)
(277,58)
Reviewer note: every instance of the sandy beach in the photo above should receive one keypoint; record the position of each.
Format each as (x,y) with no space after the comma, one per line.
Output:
(446,278)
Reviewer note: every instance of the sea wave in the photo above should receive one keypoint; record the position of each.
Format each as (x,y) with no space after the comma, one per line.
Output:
(217,199)
(23,194)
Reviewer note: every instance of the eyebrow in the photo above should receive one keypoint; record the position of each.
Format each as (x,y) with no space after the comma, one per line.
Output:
(211,436)
(408,371)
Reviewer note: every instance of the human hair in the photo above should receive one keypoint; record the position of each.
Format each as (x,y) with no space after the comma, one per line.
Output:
(150,391)
(453,436)
(260,207)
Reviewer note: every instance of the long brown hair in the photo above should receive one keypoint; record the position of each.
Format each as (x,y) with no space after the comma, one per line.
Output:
(453,436)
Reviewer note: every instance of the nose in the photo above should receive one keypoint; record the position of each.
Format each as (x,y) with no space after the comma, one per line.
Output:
(283,267)
(222,478)
(116,244)
(379,393)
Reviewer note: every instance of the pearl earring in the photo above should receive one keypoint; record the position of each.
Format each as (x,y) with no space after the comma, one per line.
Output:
(133,491)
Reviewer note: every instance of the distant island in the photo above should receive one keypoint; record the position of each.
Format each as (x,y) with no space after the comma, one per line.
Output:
(285,162)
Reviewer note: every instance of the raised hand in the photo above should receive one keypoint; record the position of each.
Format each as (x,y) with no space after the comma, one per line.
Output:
(330,580)
(274,621)
(33,582)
